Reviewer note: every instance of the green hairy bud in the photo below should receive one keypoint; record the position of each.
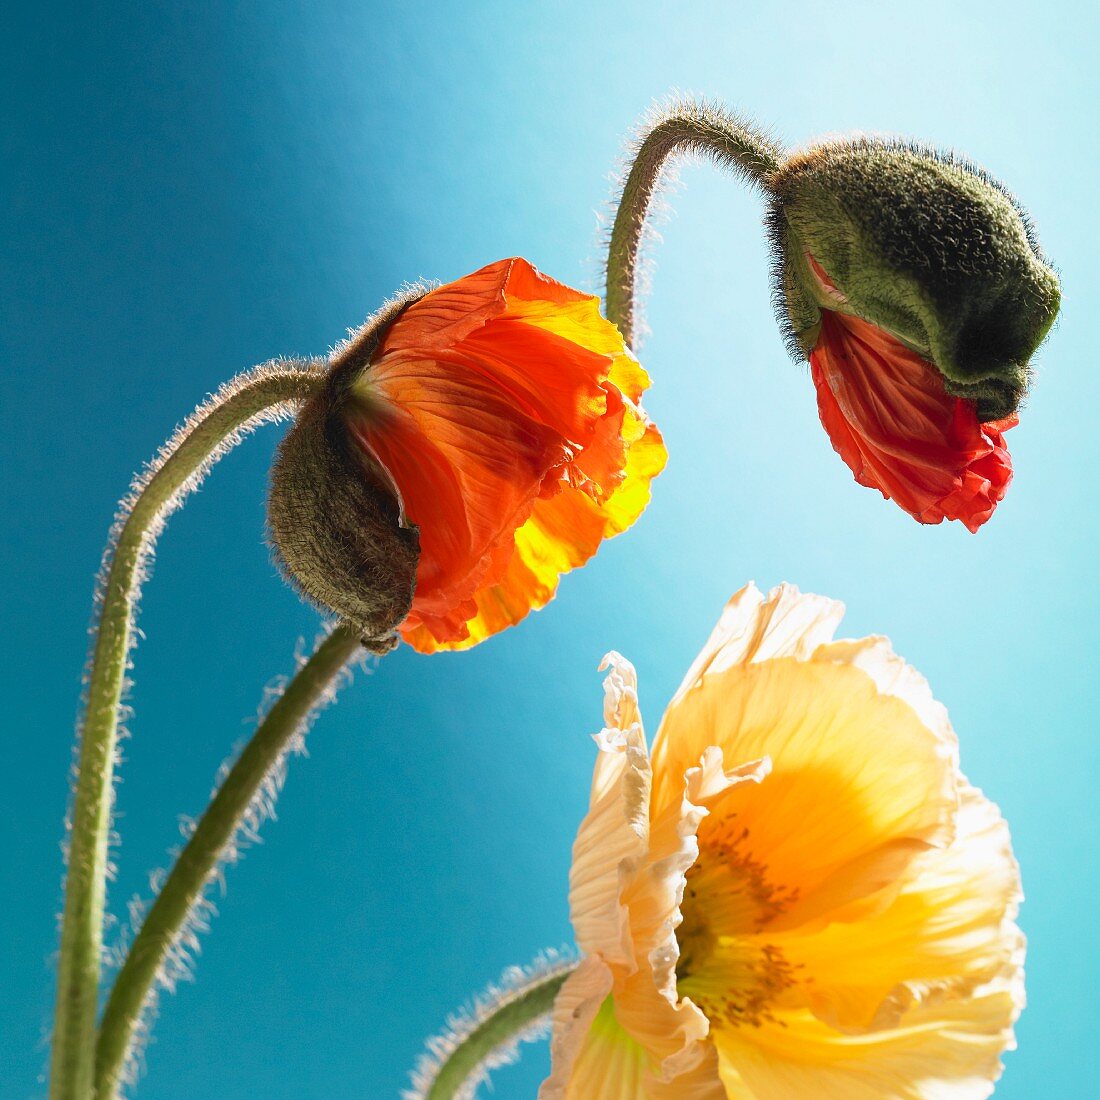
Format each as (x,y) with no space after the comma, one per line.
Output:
(923,245)
(333,515)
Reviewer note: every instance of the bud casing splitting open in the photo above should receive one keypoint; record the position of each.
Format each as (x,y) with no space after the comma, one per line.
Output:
(917,289)
(335,519)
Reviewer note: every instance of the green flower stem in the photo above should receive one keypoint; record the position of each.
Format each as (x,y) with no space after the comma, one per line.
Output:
(687,127)
(167,918)
(461,1059)
(266,393)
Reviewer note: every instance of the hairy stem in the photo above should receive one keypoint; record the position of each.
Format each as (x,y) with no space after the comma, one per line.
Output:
(198,861)
(460,1059)
(266,393)
(687,127)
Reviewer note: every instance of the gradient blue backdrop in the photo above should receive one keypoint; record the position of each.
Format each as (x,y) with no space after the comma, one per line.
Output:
(191,189)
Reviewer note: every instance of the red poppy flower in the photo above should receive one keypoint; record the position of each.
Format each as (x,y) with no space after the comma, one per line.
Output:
(504,411)
(890,418)
(923,352)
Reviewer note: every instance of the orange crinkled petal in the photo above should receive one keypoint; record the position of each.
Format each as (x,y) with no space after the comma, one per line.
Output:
(889,417)
(504,409)
(562,533)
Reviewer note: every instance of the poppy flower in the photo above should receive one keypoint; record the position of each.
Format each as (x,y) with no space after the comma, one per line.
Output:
(500,416)
(914,284)
(797,893)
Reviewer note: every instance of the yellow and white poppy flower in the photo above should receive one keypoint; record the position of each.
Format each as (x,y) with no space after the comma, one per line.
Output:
(796,893)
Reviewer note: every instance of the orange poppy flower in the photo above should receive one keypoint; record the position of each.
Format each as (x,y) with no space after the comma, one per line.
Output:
(503,409)
(890,418)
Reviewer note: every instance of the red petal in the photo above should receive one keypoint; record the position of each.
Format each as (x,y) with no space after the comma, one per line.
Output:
(889,417)
(486,398)
(467,464)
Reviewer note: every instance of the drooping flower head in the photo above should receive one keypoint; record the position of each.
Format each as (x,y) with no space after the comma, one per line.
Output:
(797,894)
(485,443)
(917,289)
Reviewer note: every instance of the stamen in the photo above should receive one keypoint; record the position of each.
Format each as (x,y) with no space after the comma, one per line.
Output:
(740,983)
(728,902)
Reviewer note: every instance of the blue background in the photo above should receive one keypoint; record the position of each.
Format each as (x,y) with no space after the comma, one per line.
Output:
(192,188)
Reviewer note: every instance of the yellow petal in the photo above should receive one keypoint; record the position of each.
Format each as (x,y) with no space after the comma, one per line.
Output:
(628,880)
(575,1010)
(949,930)
(606,1064)
(892,676)
(614,835)
(943,1051)
(701,1083)
(860,784)
(670,1028)
(653,894)
(752,628)
(593,1057)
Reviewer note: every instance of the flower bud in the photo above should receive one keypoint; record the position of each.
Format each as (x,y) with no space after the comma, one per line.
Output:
(916,287)
(465,451)
(335,521)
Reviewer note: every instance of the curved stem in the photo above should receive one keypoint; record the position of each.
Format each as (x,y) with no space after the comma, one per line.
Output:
(460,1059)
(266,393)
(182,890)
(687,127)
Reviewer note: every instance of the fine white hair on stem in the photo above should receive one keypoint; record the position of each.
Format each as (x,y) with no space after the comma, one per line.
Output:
(255,397)
(272,413)
(178,958)
(659,211)
(515,984)
(673,130)
(371,329)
